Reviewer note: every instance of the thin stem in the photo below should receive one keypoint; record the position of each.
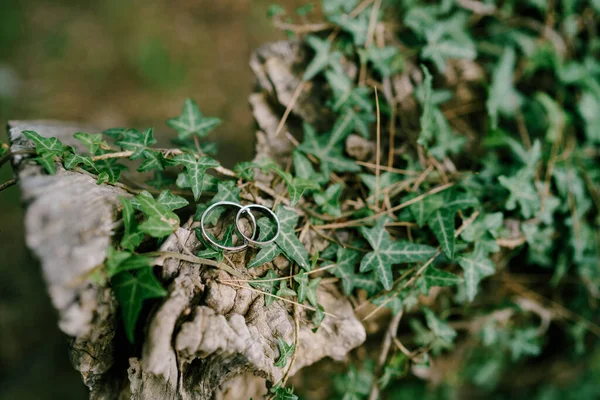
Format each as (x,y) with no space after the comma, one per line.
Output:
(8,184)
(277,297)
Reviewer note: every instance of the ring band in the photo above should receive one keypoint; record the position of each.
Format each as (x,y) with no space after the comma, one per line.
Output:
(229,248)
(250,240)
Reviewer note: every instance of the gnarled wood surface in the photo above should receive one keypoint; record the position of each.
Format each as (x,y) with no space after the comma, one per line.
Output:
(205,339)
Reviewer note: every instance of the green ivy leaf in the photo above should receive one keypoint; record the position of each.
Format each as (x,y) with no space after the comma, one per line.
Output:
(192,122)
(44,145)
(441,329)
(266,284)
(357,27)
(386,180)
(287,240)
(386,60)
(160,220)
(119,261)
(109,171)
(433,277)
(285,351)
(46,160)
(245,170)
(195,170)
(265,255)
(503,98)
(153,160)
(136,141)
(284,290)
(131,291)
(441,223)
(345,94)
(345,269)
(72,160)
(427,119)
(281,393)
(476,266)
(329,201)
(325,147)
(91,142)
(170,201)
(322,58)
(132,235)
(422,210)
(336,6)
(387,252)
(525,342)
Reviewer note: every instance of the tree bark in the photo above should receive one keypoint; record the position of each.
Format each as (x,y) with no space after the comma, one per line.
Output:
(205,339)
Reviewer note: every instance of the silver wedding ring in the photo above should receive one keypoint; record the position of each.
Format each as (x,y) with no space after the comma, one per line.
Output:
(248,240)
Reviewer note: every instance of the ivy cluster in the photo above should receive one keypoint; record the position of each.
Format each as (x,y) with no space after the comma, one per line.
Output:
(482,213)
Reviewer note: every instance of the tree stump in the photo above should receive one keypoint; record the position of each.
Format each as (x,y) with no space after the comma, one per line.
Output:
(204,339)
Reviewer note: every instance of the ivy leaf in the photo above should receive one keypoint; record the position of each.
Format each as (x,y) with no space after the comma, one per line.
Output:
(422,210)
(284,290)
(304,169)
(137,142)
(296,186)
(285,351)
(282,393)
(195,170)
(245,170)
(503,98)
(109,171)
(476,266)
(131,291)
(427,118)
(345,269)
(386,180)
(266,284)
(72,160)
(555,115)
(170,201)
(311,292)
(484,231)
(153,160)
(325,147)
(433,277)
(387,252)
(44,145)
(119,261)
(265,255)
(335,6)
(91,142)
(287,240)
(46,160)
(302,281)
(441,329)
(522,191)
(357,27)
(160,220)
(525,342)
(345,94)
(318,317)
(439,51)
(132,236)
(329,201)
(386,60)
(442,225)
(322,58)
(192,122)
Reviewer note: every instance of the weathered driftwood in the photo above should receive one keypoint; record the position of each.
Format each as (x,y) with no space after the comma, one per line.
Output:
(206,338)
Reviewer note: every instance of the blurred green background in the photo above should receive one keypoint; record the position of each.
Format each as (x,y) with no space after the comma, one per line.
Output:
(108,63)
